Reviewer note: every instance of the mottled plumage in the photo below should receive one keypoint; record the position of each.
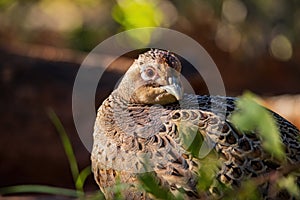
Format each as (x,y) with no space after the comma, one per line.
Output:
(148,124)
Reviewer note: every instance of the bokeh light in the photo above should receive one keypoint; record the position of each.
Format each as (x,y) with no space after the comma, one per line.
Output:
(57,15)
(228,37)
(281,47)
(234,11)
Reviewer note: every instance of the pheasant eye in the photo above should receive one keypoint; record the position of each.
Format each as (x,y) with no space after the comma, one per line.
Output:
(150,72)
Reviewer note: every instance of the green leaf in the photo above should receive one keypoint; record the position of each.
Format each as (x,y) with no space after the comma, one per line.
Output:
(248,190)
(190,137)
(150,184)
(207,172)
(118,188)
(250,116)
(290,184)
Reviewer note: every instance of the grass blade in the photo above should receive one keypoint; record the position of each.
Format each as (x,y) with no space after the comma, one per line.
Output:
(82,177)
(39,189)
(67,147)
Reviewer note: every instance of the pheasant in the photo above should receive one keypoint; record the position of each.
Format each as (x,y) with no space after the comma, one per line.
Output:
(148,124)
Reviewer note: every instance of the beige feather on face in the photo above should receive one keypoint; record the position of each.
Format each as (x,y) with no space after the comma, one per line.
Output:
(133,135)
(154,78)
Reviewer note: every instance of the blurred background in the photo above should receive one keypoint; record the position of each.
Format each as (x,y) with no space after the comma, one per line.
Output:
(255,44)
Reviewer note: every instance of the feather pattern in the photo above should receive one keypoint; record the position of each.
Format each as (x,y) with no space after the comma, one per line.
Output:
(132,136)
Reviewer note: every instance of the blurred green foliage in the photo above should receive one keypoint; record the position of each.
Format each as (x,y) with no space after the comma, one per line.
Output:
(132,14)
(137,13)
(5,3)
(243,28)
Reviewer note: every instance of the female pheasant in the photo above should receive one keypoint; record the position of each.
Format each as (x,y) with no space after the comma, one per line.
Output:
(148,124)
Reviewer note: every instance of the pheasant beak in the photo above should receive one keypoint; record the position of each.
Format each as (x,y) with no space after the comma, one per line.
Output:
(174,87)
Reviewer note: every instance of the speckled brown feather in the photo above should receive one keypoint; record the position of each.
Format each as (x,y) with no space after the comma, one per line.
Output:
(131,137)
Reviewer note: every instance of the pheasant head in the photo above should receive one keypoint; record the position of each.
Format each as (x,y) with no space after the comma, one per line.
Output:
(153,78)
